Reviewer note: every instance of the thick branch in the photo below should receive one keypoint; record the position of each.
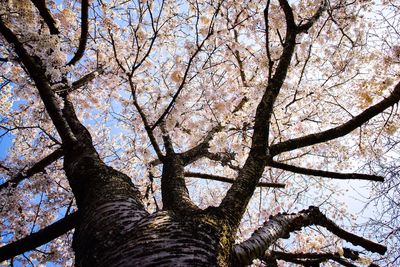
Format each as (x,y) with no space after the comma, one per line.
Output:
(341,130)
(79,130)
(36,168)
(81,82)
(237,197)
(309,259)
(350,237)
(39,238)
(84,33)
(306,26)
(175,195)
(200,150)
(327,174)
(45,13)
(281,225)
(317,257)
(37,74)
(228,180)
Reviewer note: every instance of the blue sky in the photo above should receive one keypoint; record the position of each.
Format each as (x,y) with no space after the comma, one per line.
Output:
(5,144)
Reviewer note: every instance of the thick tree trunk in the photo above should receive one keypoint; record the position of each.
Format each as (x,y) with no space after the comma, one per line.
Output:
(160,239)
(115,230)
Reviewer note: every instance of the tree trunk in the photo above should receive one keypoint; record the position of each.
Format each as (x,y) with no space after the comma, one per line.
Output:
(115,230)
(160,239)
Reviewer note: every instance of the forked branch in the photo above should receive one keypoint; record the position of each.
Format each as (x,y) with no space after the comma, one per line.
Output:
(237,197)
(200,150)
(306,26)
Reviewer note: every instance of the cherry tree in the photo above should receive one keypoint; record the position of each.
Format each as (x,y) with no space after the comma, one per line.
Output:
(193,133)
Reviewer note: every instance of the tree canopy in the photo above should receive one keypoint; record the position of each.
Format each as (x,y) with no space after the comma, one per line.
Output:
(260,108)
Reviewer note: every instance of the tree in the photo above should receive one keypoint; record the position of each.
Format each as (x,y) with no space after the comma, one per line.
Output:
(111,112)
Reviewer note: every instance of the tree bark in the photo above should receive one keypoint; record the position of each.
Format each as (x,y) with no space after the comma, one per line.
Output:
(114,229)
(161,239)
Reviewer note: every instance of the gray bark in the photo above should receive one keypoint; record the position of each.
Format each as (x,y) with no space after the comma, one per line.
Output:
(160,239)
(281,225)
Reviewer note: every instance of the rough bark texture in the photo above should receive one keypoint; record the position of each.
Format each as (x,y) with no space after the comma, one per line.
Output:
(281,225)
(161,239)
(114,229)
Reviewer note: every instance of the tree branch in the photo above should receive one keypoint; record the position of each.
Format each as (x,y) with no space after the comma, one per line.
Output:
(80,82)
(338,131)
(84,33)
(200,150)
(175,195)
(228,180)
(307,258)
(45,13)
(46,93)
(281,225)
(326,174)
(147,127)
(267,48)
(79,130)
(174,192)
(237,197)
(306,26)
(39,238)
(36,168)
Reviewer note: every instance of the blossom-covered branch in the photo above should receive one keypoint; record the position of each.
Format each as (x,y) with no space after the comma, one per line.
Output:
(244,186)
(147,127)
(281,225)
(39,238)
(47,95)
(35,168)
(45,13)
(341,130)
(326,174)
(229,180)
(84,33)
(188,66)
